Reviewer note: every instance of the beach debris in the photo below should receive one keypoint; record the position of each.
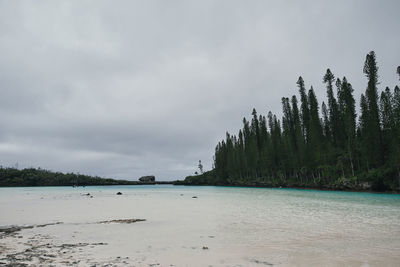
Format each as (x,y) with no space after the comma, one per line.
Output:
(262,262)
(13,229)
(123,221)
(39,254)
(194,196)
(204,247)
(119,193)
(47,224)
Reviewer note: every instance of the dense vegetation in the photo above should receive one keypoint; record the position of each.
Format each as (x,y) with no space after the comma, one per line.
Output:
(40,177)
(302,149)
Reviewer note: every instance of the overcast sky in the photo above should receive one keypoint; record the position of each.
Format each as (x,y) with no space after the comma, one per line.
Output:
(123,89)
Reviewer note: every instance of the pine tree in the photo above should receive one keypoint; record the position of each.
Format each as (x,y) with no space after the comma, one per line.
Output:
(298,136)
(396,106)
(264,140)
(373,133)
(247,149)
(289,134)
(242,156)
(363,129)
(255,128)
(315,136)
(341,106)
(230,159)
(327,153)
(386,111)
(305,112)
(396,119)
(348,116)
(273,151)
(325,122)
(333,108)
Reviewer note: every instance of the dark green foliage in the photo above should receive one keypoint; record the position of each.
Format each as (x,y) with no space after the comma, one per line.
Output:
(372,133)
(348,120)
(207,178)
(333,110)
(309,151)
(40,177)
(315,142)
(305,112)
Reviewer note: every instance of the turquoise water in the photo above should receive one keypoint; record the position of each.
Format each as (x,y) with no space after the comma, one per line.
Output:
(279,226)
(337,195)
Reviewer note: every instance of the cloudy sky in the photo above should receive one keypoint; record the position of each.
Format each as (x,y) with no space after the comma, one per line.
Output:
(129,88)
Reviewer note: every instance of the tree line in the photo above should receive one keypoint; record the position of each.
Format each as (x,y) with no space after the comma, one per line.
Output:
(42,177)
(314,145)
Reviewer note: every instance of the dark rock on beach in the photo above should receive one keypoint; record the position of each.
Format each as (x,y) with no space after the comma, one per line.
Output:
(148,179)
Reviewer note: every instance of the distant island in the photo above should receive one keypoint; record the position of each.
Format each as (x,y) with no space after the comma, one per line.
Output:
(335,151)
(40,177)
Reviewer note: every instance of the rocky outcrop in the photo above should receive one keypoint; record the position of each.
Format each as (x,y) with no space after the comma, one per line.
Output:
(148,179)
(365,186)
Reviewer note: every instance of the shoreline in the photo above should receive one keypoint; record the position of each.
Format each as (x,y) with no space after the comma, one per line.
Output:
(323,188)
(122,184)
(182,183)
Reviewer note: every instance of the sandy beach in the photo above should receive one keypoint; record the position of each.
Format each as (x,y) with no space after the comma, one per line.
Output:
(167,226)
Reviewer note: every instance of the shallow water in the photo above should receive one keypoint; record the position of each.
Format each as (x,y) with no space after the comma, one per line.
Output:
(239,226)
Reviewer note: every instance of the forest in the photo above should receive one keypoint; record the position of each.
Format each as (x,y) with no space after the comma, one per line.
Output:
(42,177)
(317,146)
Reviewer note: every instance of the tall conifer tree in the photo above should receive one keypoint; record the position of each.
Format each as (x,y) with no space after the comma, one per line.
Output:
(305,112)
(315,135)
(333,108)
(373,133)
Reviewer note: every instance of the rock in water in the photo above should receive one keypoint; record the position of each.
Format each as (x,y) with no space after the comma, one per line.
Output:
(149,178)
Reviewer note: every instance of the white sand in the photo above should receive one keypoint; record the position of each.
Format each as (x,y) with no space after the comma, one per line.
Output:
(240,227)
